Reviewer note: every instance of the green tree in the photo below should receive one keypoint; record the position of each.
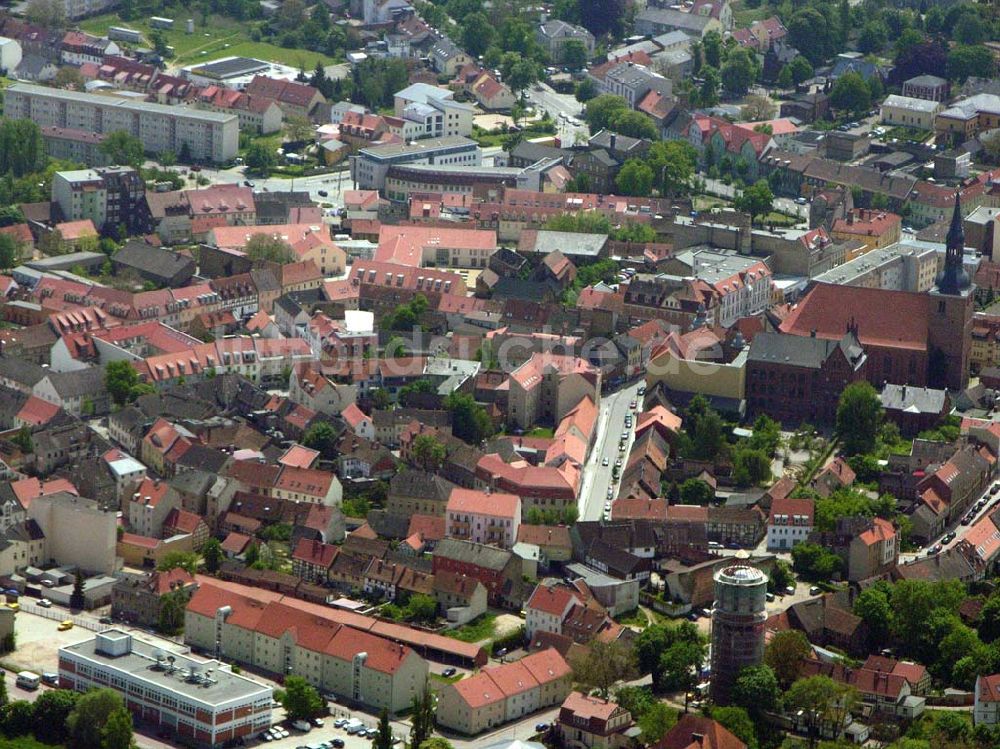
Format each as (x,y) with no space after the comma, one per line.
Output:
(604,665)
(696,492)
(4,699)
(122,148)
(601,110)
(383,739)
(756,689)
(211,552)
(52,708)
(822,700)
(737,721)
(815,562)
(117,731)
(872,606)
(48,13)
(421,608)
(586,90)
(969,30)
(784,654)
(120,379)
(712,48)
(428,452)
(321,436)
(634,124)
(756,200)
(802,69)
(965,61)
(265,248)
(851,94)
(739,71)
(22,150)
(656,721)
(436,742)
(859,415)
(171,618)
(673,163)
(785,79)
(86,722)
(679,665)
(873,37)
(470,421)
(301,700)
(708,94)
(574,55)
(781,577)
(421,718)
(809,32)
(23,439)
(635,178)
(261,158)
(18,719)
(751,467)
(186,560)
(477,33)
(76,599)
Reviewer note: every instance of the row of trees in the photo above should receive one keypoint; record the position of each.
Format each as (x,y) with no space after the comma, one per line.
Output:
(97,719)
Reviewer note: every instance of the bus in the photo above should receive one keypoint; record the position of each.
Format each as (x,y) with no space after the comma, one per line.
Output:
(28,680)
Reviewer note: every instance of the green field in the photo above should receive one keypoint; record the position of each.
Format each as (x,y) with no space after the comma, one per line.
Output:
(24,742)
(223,37)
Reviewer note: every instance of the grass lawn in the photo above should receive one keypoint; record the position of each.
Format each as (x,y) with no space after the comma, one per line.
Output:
(633,618)
(25,742)
(744,16)
(547,432)
(479,629)
(222,37)
(447,679)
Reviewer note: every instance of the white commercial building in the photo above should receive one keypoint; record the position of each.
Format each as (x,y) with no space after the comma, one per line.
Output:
(909,111)
(201,702)
(435,111)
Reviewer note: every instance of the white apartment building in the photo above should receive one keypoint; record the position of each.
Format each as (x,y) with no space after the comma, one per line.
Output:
(81,195)
(790,522)
(203,702)
(209,136)
(370,165)
(435,111)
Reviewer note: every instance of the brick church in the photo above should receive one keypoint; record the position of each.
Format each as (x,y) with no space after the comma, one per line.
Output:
(909,338)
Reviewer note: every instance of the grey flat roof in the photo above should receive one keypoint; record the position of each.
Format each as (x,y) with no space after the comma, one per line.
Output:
(112,101)
(231,68)
(428,144)
(141,664)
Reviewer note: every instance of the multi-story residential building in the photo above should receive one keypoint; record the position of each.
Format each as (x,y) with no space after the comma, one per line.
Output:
(279,635)
(417,246)
(78,48)
(905,266)
(873,230)
(447,57)
(137,599)
(592,723)
(790,523)
(632,82)
(909,111)
(150,503)
(547,386)
(968,117)
(208,136)
(483,517)
(498,570)
(257,114)
(553,35)
(77,531)
(499,695)
(293,98)
(986,708)
(108,196)
(435,110)
(370,165)
(199,701)
(312,559)
(930,87)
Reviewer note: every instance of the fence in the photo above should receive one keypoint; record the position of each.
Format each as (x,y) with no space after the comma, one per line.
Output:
(61,615)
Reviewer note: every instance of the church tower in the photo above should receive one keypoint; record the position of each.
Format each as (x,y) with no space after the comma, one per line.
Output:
(949,335)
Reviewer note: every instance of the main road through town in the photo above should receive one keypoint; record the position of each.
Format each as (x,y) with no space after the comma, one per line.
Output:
(610,427)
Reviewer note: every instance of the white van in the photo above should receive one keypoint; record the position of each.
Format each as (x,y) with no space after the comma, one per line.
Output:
(353,726)
(28,680)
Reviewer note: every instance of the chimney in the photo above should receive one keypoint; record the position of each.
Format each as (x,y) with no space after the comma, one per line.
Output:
(614,140)
(812,333)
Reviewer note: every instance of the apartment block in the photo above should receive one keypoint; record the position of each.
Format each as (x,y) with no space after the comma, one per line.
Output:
(209,136)
(370,165)
(107,196)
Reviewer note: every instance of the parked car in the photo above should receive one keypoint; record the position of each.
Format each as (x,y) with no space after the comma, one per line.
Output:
(301,725)
(604,462)
(948,538)
(801,201)
(935,549)
(541,727)
(322,193)
(65,625)
(50,678)
(318,722)
(813,590)
(340,722)
(338,743)
(45,603)
(449,672)
(105,620)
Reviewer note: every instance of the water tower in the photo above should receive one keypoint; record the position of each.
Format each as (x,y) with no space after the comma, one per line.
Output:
(737,625)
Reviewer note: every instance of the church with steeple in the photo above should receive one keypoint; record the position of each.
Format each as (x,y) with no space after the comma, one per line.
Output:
(949,335)
(909,337)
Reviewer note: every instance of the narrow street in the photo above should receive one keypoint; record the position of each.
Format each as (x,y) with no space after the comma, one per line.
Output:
(611,425)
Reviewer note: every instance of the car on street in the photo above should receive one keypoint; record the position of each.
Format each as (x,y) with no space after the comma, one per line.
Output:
(967,519)
(611,493)
(642,390)
(625,435)
(318,722)
(734,546)
(632,405)
(604,462)
(105,620)
(801,201)
(337,743)
(618,463)
(790,590)
(65,625)
(948,538)
(935,549)
(340,722)
(813,590)
(607,507)
(45,603)
(322,193)
(541,727)
(448,672)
